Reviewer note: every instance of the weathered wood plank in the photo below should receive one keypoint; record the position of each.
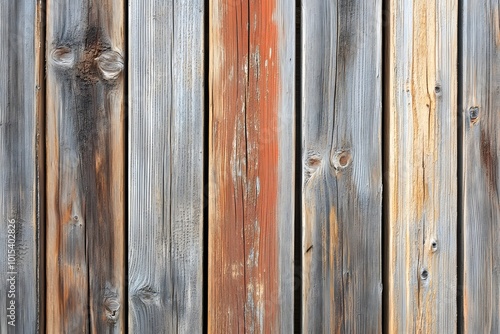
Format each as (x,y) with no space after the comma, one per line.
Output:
(480,109)
(19,112)
(85,166)
(251,166)
(166,80)
(342,166)
(422,166)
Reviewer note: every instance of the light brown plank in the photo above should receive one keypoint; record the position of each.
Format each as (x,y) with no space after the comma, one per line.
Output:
(85,166)
(421,147)
(251,166)
(480,111)
(166,95)
(342,166)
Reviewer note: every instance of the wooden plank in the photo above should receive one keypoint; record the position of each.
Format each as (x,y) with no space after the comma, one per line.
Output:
(480,109)
(251,166)
(18,164)
(421,147)
(342,166)
(166,96)
(85,166)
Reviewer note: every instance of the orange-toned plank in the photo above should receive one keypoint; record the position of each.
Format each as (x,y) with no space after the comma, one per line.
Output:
(251,171)
(85,166)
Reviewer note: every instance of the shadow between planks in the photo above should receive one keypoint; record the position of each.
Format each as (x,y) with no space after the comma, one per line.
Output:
(255,166)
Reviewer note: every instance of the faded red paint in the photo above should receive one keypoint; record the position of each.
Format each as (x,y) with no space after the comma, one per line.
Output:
(243,241)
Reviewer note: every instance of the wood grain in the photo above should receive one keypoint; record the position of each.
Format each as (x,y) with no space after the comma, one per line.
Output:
(421,146)
(19,113)
(85,166)
(480,111)
(166,95)
(342,166)
(251,166)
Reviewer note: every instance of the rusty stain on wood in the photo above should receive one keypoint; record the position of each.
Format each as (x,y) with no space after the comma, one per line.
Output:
(246,87)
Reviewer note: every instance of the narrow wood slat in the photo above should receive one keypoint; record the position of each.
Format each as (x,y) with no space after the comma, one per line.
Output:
(480,109)
(342,166)
(85,166)
(251,166)
(421,151)
(166,80)
(19,112)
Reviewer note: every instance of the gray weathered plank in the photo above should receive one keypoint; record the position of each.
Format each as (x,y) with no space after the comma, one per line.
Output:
(480,110)
(342,166)
(421,146)
(85,134)
(166,116)
(251,169)
(18,167)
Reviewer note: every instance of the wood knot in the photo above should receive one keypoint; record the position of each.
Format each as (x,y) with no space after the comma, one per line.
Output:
(474,114)
(112,307)
(147,295)
(110,64)
(341,159)
(62,57)
(311,165)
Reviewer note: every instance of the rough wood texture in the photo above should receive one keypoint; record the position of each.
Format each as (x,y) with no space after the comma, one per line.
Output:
(18,167)
(342,166)
(422,154)
(251,171)
(85,166)
(481,164)
(166,165)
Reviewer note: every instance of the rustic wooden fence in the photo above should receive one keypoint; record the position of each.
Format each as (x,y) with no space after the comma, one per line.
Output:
(250,166)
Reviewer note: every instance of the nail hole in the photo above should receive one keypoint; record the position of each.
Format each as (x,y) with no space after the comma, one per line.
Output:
(75,218)
(434,246)
(437,89)
(425,274)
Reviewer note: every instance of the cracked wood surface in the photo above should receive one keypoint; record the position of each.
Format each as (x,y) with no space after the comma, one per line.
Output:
(85,134)
(251,166)
(421,146)
(342,166)
(166,94)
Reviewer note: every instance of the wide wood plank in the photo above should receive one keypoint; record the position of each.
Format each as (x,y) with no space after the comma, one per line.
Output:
(85,166)
(480,111)
(251,166)
(19,113)
(421,146)
(342,166)
(166,80)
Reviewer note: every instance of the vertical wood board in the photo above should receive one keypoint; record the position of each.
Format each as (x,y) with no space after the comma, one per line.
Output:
(421,146)
(166,85)
(480,111)
(342,166)
(251,166)
(85,166)
(19,113)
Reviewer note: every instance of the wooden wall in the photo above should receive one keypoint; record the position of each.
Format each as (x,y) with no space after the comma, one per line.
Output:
(260,166)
